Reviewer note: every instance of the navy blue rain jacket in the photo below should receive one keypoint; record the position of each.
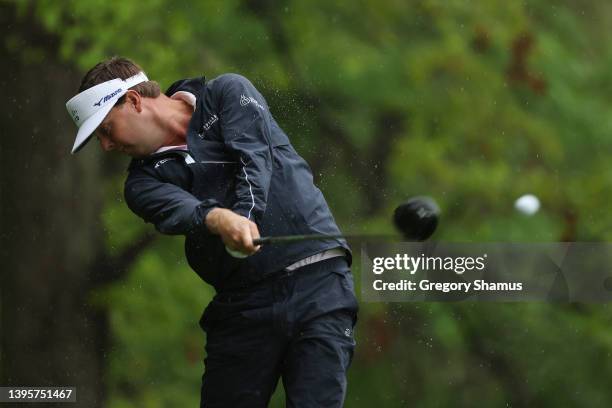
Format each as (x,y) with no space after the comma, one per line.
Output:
(237,158)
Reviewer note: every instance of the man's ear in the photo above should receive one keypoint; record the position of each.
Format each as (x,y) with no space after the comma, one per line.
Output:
(133,97)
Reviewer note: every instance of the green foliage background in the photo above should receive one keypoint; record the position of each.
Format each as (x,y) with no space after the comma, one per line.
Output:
(472,102)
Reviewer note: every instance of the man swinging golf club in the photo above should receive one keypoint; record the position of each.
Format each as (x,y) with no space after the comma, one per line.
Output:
(210,162)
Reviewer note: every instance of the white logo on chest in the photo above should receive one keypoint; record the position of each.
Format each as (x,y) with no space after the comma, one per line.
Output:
(162,161)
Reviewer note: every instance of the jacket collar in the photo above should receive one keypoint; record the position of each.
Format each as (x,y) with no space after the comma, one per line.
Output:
(193,85)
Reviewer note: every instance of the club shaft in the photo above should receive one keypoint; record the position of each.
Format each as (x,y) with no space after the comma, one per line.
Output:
(313,237)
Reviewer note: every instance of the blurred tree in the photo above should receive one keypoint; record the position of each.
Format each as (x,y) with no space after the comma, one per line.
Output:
(53,245)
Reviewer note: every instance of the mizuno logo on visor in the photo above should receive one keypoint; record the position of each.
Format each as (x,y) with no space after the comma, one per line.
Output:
(107,97)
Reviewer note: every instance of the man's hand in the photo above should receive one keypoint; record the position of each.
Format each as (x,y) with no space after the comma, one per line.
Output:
(237,232)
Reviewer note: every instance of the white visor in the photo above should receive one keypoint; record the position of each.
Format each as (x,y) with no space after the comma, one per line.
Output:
(89,108)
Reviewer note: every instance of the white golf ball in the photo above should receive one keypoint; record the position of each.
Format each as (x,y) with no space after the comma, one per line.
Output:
(527,204)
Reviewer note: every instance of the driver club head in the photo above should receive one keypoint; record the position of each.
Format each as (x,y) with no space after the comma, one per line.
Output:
(417,218)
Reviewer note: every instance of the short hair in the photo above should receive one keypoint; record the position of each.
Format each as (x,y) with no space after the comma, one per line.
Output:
(118,67)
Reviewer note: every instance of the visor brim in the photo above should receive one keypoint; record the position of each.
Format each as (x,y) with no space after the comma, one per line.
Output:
(89,126)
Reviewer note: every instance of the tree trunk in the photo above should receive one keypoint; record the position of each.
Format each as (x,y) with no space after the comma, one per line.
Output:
(51,232)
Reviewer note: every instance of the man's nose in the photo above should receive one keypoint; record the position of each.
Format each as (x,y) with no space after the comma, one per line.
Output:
(107,144)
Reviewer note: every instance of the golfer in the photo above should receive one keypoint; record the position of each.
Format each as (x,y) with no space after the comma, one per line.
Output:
(210,162)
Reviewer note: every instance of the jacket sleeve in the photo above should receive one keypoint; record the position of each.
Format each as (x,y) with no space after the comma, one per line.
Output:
(245,129)
(170,208)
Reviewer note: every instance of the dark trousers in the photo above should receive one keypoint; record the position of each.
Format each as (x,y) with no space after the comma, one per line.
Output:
(297,326)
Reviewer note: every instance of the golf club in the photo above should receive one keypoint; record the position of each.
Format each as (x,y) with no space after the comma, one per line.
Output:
(415,219)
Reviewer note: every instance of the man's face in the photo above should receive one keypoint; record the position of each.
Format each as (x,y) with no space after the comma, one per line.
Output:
(128,128)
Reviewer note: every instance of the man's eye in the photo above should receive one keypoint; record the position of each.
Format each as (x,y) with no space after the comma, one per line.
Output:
(104,129)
